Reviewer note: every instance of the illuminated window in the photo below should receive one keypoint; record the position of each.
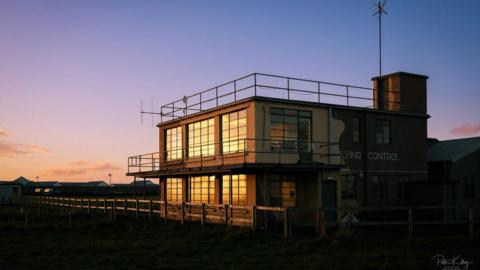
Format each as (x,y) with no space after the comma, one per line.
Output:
(356,129)
(234,131)
(201,138)
(290,130)
(234,189)
(173,142)
(202,189)
(282,192)
(383,132)
(174,189)
(379,186)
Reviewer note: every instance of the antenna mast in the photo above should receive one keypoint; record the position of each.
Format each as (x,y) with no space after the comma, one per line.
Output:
(380,10)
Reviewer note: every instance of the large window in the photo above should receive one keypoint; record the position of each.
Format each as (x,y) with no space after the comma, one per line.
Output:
(356,130)
(234,131)
(173,142)
(290,130)
(383,132)
(174,189)
(349,187)
(234,189)
(202,189)
(379,186)
(201,138)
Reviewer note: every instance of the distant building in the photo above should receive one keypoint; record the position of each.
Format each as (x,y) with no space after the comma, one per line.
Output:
(454,168)
(9,193)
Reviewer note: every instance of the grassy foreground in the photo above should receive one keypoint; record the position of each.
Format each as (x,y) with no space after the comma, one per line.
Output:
(98,243)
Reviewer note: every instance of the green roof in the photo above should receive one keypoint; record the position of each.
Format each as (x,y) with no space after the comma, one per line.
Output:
(453,150)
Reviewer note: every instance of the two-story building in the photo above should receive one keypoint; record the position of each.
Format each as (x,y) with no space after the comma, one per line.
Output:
(269,140)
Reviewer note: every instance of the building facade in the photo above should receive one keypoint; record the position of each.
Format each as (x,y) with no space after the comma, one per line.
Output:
(277,141)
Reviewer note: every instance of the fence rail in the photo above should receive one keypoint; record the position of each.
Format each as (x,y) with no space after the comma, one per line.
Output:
(242,216)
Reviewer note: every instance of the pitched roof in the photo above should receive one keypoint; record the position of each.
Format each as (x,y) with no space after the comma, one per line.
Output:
(453,150)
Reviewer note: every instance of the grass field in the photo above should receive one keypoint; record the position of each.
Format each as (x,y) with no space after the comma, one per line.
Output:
(95,242)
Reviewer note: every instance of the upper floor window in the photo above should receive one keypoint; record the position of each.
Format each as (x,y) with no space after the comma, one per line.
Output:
(201,138)
(356,130)
(174,189)
(173,143)
(469,186)
(234,189)
(379,186)
(290,130)
(402,186)
(234,131)
(202,189)
(383,132)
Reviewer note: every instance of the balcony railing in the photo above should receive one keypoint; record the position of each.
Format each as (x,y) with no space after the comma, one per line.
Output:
(273,86)
(243,151)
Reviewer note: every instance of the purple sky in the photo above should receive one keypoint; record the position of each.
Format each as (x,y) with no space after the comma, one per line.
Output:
(73,72)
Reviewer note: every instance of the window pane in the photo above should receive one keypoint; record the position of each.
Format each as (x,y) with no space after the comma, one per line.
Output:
(173,143)
(234,132)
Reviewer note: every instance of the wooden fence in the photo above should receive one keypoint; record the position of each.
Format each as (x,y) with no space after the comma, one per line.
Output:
(244,216)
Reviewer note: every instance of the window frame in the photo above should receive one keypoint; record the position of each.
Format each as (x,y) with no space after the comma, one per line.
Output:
(383,141)
(178,189)
(192,151)
(241,139)
(379,187)
(357,128)
(283,141)
(177,150)
(234,190)
(207,197)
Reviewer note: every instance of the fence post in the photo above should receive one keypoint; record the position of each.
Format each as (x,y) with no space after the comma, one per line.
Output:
(410,224)
(320,228)
(136,208)
(89,206)
(202,220)
(254,218)
(114,209)
(150,209)
(165,212)
(472,220)
(286,224)
(105,206)
(183,213)
(125,205)
(226,214)
(96,206)
(70,218)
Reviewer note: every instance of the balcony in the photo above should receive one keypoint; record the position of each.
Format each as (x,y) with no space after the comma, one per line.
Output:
(270,86)
(242,154)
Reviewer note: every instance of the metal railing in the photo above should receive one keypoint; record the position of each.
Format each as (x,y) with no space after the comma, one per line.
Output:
(273,86)
(258,151)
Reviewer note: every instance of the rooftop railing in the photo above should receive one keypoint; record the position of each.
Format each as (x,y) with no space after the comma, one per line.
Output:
(273,86)
(242,151)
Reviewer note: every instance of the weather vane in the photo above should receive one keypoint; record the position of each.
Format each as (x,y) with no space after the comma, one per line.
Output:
(380,11)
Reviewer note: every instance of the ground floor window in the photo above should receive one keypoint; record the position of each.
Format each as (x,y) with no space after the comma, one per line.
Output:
(349,186)
(202,189)
(379,186)
(282,191)
(174,189)
(234,189)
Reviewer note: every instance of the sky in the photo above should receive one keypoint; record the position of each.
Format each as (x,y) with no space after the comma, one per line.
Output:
(72,73)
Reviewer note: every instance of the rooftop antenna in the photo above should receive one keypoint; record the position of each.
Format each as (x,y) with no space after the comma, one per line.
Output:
(380,10)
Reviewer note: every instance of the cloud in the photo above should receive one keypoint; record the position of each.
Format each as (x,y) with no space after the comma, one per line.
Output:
(11,149)
(4,133)
(81,167)
(466,129)
(104,166)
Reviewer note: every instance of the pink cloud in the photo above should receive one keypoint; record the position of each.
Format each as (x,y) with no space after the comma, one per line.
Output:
(4,133)
(466,129)
(10,149)
(81,167)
